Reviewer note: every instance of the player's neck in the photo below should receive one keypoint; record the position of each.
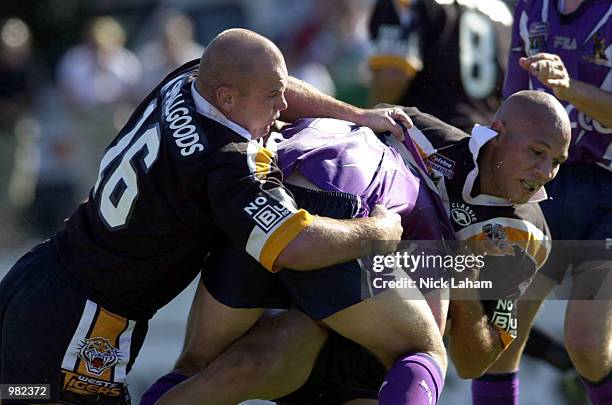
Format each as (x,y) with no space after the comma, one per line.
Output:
(486,170)
(569,6)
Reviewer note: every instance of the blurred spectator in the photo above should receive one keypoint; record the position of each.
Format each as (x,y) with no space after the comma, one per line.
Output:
(174,46)
(100,70)
(334,37)
(99,79)
(43,185)
(16,70)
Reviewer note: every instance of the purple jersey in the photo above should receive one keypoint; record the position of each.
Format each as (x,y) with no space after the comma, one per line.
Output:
(341,156)
(582,40)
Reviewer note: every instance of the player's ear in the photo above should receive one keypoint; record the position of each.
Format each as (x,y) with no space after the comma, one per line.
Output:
(498,126)
(225,98)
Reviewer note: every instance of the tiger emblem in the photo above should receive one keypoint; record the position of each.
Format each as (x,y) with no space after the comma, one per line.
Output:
(496,241)
(99,354)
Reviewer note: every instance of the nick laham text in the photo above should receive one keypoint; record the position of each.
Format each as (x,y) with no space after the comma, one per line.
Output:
(431,283)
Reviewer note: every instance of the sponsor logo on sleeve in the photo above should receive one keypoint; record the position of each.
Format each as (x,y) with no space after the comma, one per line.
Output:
(442,165)
(266,213)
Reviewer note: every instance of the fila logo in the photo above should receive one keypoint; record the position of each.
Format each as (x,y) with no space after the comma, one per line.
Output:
(265,214)
(565,43)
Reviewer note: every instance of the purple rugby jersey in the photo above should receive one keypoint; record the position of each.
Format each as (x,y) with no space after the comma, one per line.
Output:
(338,155)
(583,40)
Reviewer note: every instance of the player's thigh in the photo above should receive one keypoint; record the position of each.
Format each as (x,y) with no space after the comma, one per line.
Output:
(389,325)
(589,324)
(211,327)
(234,292)
(283,349)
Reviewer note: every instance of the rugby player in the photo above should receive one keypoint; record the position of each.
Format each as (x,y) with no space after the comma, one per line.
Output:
(420,47)
(563,48)
(184,173)
(489,183)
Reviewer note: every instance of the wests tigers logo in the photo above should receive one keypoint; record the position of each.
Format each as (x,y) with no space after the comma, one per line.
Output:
(98,354)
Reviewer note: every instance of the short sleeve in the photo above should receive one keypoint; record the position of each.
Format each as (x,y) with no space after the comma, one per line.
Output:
(250,205)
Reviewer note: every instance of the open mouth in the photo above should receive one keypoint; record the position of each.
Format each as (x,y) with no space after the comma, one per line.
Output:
(530,186)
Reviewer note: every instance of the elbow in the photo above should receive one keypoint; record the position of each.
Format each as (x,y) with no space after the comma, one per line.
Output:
(288,258)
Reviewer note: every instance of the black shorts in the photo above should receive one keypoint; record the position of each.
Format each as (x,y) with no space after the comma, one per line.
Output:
(343,371)
(51,333)
(237,280)
(579,215)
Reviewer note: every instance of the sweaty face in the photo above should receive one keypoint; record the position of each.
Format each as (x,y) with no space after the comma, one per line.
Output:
(256,108)
(525,158)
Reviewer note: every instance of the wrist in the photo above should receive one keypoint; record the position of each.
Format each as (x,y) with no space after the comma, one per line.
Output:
(565,92)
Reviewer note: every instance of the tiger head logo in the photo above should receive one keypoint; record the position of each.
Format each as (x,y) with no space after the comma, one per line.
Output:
(496,241)
(98,354)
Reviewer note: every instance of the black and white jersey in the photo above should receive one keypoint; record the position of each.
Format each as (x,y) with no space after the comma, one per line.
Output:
(457,49)
(178,179)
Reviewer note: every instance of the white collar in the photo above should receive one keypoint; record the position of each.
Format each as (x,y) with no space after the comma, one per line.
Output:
(480,136)
(209,110)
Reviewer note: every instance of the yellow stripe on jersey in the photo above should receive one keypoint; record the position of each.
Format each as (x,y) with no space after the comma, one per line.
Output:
(259,160)
(106,326)
(505,337)
(281,236)
(516,232)
(379,62)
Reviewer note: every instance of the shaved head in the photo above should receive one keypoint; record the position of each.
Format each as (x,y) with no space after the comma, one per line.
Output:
(235,58)
(534,108)
(243,75)
(533,137)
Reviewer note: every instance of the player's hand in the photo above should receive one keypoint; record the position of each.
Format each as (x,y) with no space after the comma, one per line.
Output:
(391,119)
(550,70)
(390,226)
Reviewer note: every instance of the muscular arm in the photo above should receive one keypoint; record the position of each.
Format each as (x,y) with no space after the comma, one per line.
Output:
(591,100)
(328,241)
(303,100)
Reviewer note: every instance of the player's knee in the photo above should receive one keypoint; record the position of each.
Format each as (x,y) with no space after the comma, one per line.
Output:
(255,365)
(591,356)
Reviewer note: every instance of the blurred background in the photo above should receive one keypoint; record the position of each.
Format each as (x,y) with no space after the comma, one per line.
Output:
(71,72)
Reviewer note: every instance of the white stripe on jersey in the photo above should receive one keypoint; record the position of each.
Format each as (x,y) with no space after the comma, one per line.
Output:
(258,237)
(72,353)
(534,232)
(125,342)
(545,4)
(601,22)
(520,224)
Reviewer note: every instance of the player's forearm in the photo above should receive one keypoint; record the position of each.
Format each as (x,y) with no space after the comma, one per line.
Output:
(303,100)
(474,344)
(589,99)
(327,241)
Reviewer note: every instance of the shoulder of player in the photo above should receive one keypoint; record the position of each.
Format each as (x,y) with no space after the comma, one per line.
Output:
(432,133)
(524,221)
